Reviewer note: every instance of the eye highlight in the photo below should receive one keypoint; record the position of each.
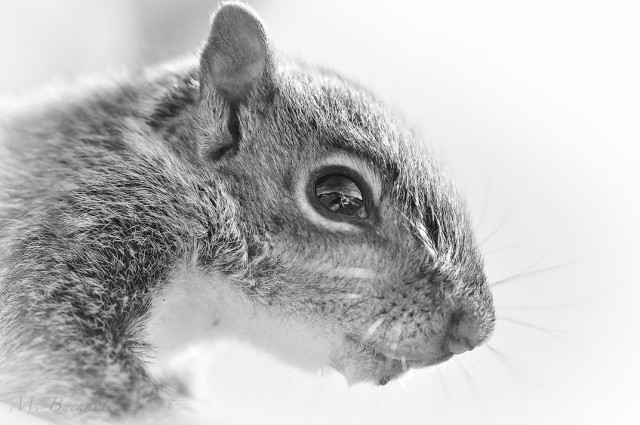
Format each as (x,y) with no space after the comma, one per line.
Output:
(340,194)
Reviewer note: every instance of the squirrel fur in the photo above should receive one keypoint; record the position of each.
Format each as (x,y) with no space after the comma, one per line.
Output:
(109,189)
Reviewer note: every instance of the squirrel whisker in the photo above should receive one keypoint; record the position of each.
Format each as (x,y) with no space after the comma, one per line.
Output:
(524,274)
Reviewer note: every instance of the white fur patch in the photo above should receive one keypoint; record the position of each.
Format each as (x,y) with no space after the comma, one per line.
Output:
(194,309)
(191,308)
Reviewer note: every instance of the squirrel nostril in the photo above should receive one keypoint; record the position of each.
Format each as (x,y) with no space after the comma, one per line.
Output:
(463,334)
(458,346)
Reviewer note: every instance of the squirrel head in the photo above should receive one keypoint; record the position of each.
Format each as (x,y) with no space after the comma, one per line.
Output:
(348,223)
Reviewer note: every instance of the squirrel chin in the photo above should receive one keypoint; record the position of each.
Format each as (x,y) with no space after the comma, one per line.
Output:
(359,363)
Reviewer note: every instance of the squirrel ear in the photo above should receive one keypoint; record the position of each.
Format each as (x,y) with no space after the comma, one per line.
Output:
(236,55)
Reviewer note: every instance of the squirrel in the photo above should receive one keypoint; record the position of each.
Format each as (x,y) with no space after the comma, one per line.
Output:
(140,213)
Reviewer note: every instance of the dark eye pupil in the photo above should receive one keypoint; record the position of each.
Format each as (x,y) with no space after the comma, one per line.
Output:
(340,194)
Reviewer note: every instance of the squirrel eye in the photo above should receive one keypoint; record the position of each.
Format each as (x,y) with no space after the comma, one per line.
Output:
(341,194)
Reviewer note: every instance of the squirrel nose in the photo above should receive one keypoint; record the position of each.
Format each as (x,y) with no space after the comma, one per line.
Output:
(463,334)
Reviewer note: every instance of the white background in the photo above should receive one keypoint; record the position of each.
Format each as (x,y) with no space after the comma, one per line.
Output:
(535,106)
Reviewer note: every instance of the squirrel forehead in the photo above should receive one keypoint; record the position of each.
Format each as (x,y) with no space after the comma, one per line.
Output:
(320,110)
(328,111)
(329,95)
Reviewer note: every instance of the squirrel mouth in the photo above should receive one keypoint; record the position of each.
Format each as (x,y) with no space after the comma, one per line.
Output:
(391,355)
(365,362)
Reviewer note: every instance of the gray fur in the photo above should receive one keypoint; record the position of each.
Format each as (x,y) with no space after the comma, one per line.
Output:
(104,193)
